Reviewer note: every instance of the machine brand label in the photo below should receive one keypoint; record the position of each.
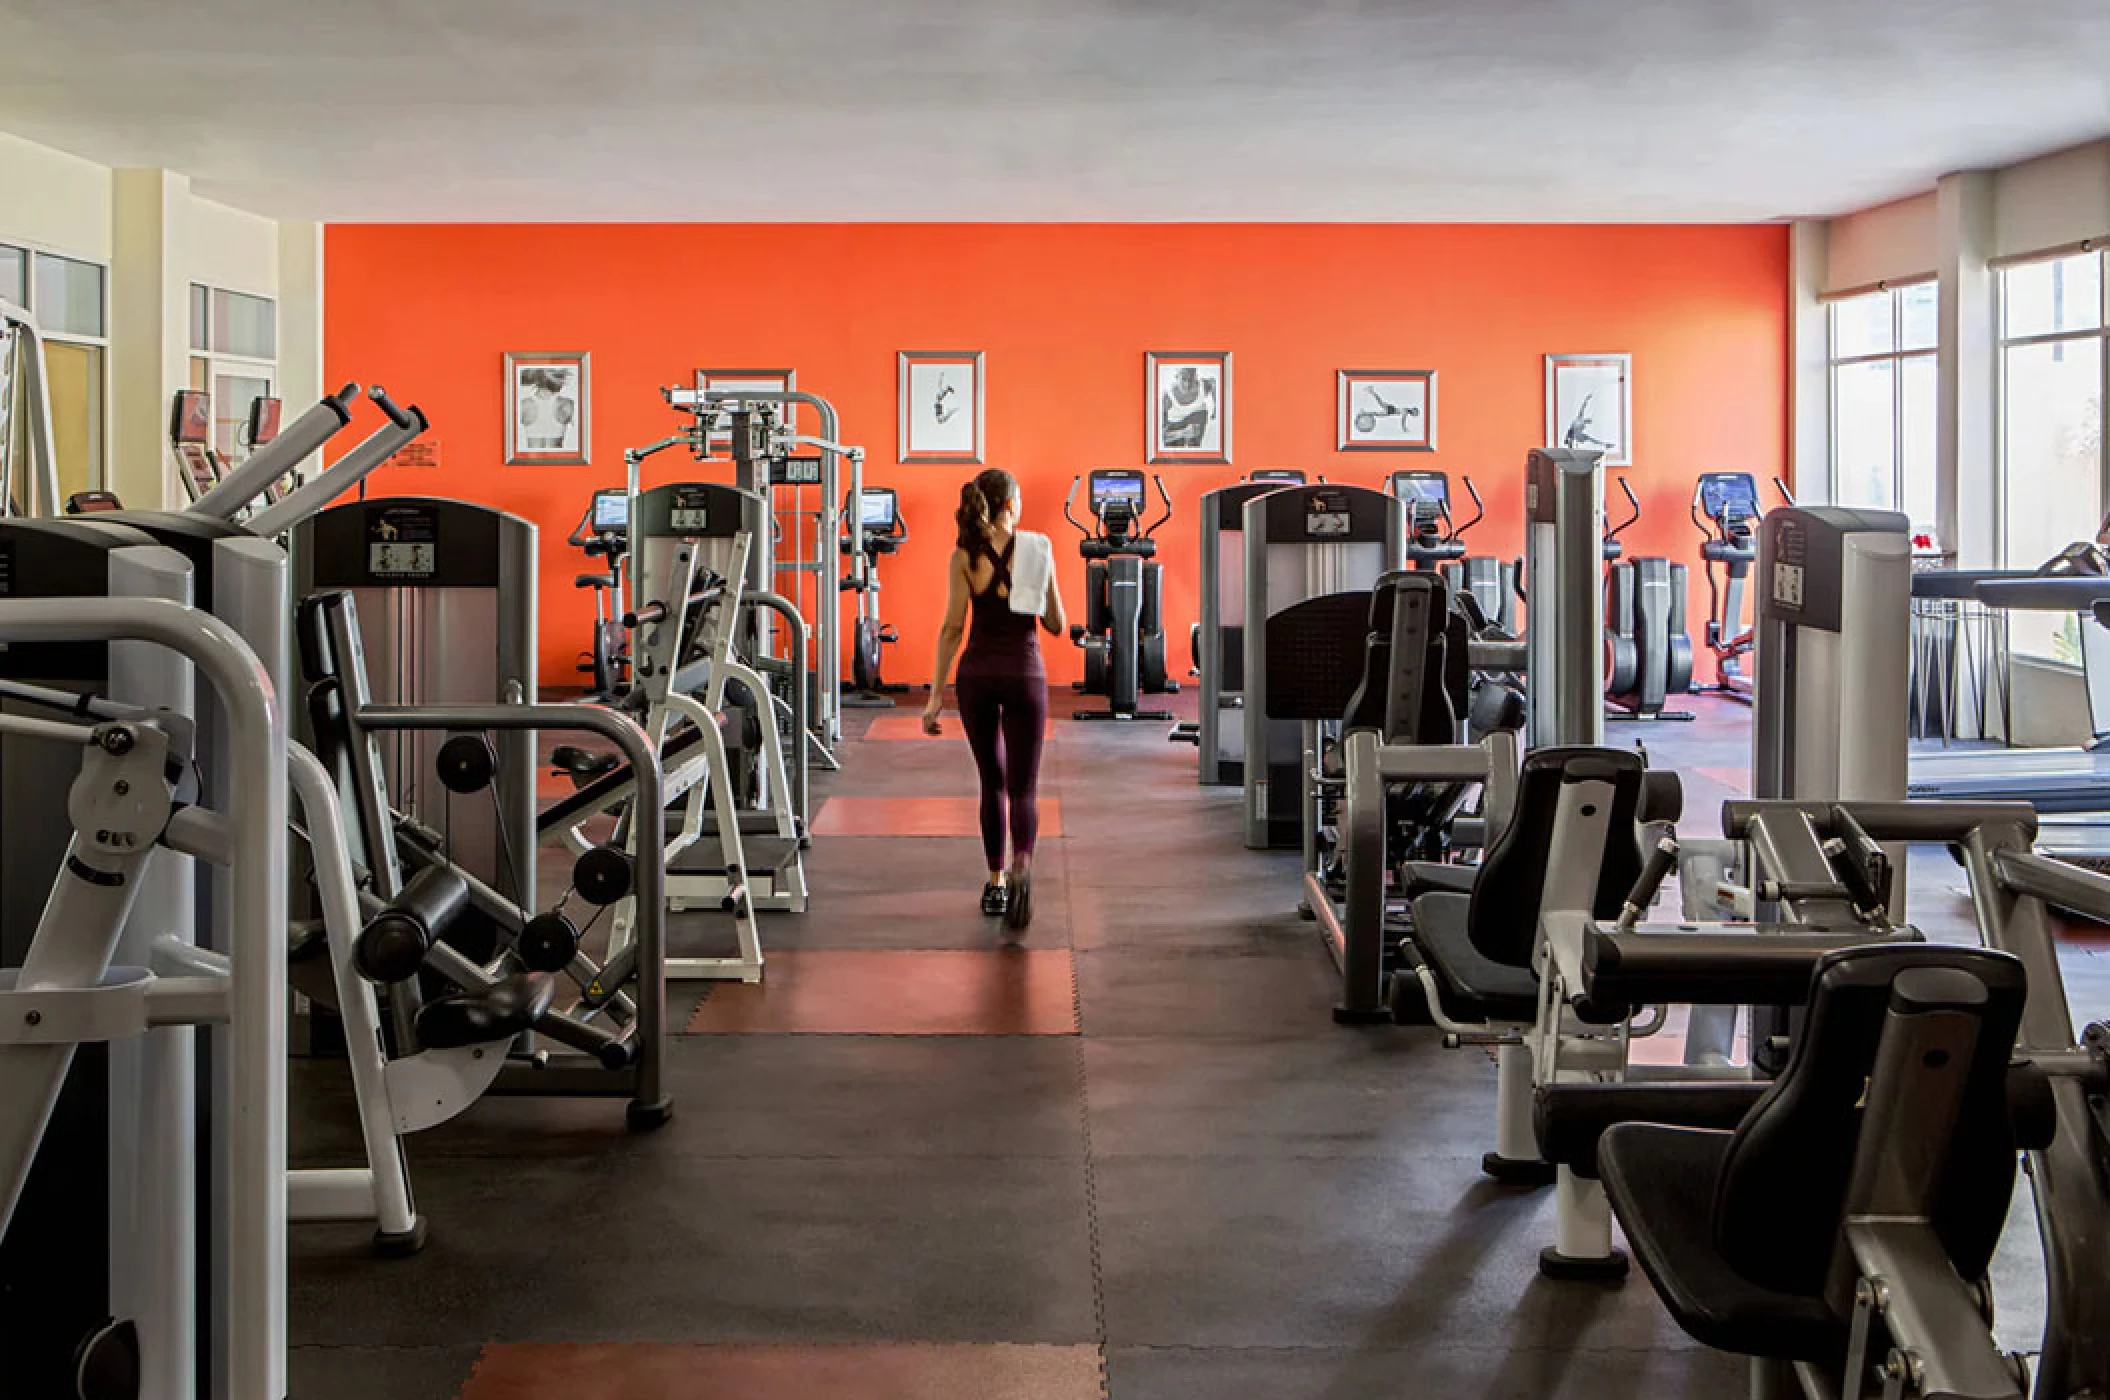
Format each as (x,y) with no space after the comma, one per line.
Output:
(795,471)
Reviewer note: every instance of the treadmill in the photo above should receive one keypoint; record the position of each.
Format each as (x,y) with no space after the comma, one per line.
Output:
(2068,786)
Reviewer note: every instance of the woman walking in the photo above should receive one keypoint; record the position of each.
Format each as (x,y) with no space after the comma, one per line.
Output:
(1003,687)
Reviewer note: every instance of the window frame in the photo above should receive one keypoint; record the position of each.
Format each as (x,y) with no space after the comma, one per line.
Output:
(1896,357)
(218,363)
(98,469)
(2003,343)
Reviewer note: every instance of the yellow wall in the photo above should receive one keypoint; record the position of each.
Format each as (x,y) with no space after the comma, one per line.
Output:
(156,237)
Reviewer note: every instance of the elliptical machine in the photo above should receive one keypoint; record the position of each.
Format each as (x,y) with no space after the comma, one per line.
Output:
(875,528)
(1725,508)
(1648,654)
(1432,535)
(604,533)
(1123,633)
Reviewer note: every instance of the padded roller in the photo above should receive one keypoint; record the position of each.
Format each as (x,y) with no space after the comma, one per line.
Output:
(1571,1118)
(1626,970)
(393,945)
(499,1012)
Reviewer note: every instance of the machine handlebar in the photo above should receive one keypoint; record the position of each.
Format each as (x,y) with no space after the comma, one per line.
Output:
(406,419)
(1479,508)
(1166,496)
(1634,502)
(1068,501)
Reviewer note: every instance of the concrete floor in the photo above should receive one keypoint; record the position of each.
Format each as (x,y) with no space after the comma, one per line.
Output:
(1172,1176)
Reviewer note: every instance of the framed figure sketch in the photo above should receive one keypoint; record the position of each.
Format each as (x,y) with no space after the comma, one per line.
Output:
(1385,410)
(547,404)
(941,406)
(1188,405)
(779,381)
(1590,405)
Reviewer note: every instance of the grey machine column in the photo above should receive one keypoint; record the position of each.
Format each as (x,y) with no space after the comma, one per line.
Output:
(1219,730)
(1833,640)
(446,595)
(1564,582)
(1299,543)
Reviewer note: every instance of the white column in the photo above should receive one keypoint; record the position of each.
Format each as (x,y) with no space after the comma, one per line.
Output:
(1809,363)
(149,328)
(1966,425)
(299,317)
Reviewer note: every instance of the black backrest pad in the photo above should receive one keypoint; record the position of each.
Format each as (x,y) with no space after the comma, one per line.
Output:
(1315,655)
(1503,920)
(1782,1193)
(1366,707)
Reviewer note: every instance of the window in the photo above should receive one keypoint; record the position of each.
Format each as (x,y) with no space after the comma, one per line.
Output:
(1882,359)
(234,347)
(2054,374)
(69,298)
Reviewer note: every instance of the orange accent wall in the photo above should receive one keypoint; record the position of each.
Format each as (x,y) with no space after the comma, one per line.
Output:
(1065,314)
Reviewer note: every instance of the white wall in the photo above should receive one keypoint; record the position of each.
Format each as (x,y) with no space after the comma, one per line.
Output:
(54,201)
(1890,243)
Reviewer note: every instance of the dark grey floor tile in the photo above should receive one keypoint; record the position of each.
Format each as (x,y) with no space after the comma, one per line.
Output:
(1372,1091)
(1351,1252)
(785,1250)
(1205,993)
(497,1232)
(850,867)
(1488,1370)
(1242,912)
(379,1373)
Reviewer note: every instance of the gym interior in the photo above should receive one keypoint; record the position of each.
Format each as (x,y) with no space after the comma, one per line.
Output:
(1571,846)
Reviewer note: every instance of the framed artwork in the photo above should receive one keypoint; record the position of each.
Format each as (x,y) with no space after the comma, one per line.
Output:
(773,381)
(1385,410)
(548,408)
(941,406)
(1590,405)
(1188,405)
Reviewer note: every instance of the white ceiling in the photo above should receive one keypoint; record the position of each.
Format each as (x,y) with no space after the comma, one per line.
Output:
(1056,109)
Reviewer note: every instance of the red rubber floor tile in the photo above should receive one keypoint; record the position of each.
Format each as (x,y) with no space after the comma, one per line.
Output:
(917,816)
(856,991)
(885,1371)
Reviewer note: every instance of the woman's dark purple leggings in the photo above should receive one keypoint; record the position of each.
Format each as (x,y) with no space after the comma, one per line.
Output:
(1006,719)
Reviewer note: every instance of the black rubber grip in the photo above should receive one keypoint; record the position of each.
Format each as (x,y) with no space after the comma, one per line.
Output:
(401,417)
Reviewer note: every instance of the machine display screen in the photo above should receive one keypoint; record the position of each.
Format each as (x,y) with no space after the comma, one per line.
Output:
(1433,487)
(1723,495)
(190,419)
(1125,488)
(877,510)
(611,511)
(263,420)
(402,542)
(1327,516)
(1289,475)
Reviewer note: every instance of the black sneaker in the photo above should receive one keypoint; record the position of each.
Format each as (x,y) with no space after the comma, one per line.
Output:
(996,899)
(1020,912)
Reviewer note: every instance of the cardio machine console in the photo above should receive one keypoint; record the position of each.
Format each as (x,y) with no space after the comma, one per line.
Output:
(611,512)
(1114,488)
(1280,476)
(1422,488)
(1727,496)
(879,508)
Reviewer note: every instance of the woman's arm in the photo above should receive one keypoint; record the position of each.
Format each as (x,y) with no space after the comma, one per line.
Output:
(950,633)
(1052,615)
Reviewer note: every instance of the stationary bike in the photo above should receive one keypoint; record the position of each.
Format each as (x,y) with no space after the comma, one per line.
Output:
(1725,509)
(876,528)
(1123,633)
(604,533)
(1648,654)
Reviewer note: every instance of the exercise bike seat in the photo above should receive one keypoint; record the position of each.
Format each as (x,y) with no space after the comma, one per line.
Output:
(583,765)
(593,581)
(498,1012)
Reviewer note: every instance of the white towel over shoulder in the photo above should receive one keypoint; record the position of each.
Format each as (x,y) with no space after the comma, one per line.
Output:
(1032,570)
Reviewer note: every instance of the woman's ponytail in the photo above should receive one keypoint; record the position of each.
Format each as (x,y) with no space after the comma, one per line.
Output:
(982,500)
